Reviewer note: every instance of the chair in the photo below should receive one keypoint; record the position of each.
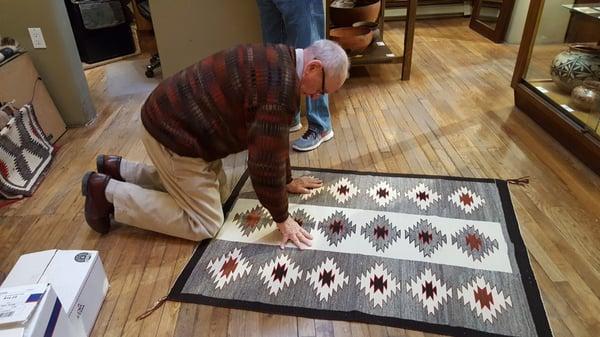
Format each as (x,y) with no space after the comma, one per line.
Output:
(143,8)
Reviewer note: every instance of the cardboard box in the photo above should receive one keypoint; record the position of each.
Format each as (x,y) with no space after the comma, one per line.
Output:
(34,311)
(19,76)
(77,276)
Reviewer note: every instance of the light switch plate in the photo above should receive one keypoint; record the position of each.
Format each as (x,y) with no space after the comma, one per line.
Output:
(37,38)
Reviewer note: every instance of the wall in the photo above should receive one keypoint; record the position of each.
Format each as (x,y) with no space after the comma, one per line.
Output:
(189,30)
(517,22)
(553,24)
(58,64)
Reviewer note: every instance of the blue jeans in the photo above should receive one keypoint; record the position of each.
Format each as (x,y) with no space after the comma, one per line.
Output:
(298,24)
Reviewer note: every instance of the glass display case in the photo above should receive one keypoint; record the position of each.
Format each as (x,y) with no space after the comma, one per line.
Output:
(557,75)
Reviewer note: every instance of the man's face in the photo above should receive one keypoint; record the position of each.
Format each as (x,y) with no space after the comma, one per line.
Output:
(315,82)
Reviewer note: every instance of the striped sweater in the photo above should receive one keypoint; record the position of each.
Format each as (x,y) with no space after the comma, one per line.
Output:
(240,98)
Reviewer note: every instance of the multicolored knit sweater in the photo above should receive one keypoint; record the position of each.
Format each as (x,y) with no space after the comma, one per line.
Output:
(240,98)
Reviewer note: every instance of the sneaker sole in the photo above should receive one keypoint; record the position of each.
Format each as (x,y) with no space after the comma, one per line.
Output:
(296,127)
(310,148)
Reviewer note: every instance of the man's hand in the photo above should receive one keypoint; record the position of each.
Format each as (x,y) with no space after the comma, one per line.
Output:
(290,230)
(303,185)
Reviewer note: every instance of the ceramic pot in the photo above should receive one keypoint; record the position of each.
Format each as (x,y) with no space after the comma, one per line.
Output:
(354,40)
(586,97)
(373,26)
(571,67)
(362,11)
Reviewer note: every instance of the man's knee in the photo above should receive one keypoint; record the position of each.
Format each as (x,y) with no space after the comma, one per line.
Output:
(201,231)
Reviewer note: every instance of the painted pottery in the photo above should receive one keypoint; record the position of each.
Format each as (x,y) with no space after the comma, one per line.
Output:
(571,67)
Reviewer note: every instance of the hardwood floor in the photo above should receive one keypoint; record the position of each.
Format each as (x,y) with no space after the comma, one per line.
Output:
(454,117)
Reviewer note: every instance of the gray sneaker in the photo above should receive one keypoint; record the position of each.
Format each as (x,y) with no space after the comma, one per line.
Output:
(311,140)
(295,127)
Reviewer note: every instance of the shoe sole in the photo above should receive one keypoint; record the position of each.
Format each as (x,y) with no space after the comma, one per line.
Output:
(84,183)
(323,140)
(100,163)
(87,205)
(296,127)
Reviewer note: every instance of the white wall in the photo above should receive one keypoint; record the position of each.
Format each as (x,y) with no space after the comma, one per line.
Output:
(189,30)
(553,24)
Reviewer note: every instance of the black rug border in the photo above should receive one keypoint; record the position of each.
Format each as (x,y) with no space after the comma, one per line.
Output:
(534,299)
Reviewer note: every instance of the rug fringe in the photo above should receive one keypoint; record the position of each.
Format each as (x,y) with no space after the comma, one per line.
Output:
(523,181)
(149,312)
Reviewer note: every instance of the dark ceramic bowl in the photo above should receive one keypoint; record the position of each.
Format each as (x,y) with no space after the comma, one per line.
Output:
(345,17)
(354,40)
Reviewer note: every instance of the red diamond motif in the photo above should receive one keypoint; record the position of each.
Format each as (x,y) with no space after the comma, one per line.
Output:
(343,189)
(429,290)
(484,297)
(229,266)
(473,241)
(466,199)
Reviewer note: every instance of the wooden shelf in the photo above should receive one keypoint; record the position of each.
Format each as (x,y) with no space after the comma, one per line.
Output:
(378,51)
(404,3)
(552,92)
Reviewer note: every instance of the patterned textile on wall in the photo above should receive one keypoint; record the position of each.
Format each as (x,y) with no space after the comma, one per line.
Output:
(25,155)
(436,254)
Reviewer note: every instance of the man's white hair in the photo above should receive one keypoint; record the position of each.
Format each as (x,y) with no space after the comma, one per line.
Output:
(332,56)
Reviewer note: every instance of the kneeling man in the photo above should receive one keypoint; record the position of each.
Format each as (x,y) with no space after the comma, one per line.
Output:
(240,98)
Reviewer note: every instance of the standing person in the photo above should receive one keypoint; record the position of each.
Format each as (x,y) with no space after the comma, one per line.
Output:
(298,24)
(240,98)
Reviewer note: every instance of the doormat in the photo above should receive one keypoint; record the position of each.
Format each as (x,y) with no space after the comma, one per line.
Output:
(436,254)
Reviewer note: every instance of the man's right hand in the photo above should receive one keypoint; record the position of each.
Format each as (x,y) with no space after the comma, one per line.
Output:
(291,231)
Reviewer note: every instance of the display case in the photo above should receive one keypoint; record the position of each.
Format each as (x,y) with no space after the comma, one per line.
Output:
(557,74)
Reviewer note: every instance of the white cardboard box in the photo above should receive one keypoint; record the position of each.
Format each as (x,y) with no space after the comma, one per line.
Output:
(77,276)
(34,311)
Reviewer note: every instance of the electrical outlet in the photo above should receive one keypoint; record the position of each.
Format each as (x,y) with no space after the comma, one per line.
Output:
(37,38)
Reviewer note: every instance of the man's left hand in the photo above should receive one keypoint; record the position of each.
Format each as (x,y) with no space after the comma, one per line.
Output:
(303,185)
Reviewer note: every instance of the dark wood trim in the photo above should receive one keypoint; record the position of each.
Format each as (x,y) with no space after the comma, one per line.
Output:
(392,18)
(404,3)
(529,33)
(411,13)
(577,139)
(499,32)
(381,18)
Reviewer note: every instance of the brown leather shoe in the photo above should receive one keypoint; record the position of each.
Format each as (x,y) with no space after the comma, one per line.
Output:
(109,165)
(97,208)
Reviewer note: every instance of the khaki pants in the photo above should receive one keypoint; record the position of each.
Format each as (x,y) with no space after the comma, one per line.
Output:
(178,196)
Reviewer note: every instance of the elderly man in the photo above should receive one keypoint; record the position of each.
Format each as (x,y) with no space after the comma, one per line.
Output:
(240,98)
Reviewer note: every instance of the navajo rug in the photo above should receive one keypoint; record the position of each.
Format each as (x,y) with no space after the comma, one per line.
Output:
(25,154)
(436,254)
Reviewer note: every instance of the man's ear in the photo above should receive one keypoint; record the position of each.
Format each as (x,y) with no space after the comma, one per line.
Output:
(314,65)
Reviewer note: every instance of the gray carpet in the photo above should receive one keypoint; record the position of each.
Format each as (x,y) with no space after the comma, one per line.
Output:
(437,254)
